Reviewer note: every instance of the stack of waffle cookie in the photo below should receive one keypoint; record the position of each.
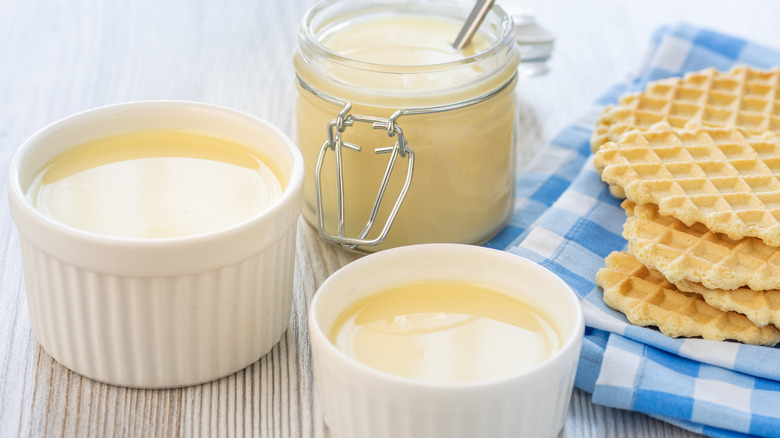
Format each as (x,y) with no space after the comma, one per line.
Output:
(697,159)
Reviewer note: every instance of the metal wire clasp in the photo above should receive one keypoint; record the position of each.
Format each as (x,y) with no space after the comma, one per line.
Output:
(335,143)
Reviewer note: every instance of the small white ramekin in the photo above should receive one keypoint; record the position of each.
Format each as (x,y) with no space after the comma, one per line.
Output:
(360,401)
(164,312)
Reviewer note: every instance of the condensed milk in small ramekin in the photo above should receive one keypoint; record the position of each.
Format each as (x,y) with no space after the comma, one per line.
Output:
(157,240)
(445,340)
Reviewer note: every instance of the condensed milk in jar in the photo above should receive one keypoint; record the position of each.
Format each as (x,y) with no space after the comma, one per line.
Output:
(406,139)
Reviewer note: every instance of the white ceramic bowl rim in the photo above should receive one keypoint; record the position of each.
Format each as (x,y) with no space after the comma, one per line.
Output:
(573,340)
(294,184)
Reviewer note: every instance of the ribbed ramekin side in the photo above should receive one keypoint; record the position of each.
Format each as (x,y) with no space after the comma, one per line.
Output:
(357,404)
(355,411)
(160,331)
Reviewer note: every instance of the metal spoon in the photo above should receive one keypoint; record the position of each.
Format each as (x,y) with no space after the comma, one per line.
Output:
(472,23)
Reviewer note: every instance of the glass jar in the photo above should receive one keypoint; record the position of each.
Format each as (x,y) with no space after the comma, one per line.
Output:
(405,146)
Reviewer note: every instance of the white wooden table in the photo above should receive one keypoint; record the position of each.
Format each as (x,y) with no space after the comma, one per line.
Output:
(60,57)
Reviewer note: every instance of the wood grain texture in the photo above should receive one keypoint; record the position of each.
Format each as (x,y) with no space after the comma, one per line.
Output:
(58,58)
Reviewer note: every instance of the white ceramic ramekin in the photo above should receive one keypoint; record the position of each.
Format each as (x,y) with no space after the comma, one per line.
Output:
(165,312)
(360,401)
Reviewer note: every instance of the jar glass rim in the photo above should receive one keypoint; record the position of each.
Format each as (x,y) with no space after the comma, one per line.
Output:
(310,30)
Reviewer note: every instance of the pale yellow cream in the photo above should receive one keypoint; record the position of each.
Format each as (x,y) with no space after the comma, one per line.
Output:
(155,184)
(463,185)
(443,331)
(401,40)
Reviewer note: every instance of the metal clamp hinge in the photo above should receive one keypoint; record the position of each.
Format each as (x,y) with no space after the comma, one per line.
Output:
(335,143)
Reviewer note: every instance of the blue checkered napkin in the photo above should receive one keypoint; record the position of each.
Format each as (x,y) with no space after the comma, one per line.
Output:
(568,222)
(710,399)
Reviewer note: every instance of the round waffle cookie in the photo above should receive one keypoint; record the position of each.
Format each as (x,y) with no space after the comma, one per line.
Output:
(723,177)
(648,299)
(742,97)
(696,254)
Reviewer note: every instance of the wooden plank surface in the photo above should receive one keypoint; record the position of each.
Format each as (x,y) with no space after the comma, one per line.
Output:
(58,58)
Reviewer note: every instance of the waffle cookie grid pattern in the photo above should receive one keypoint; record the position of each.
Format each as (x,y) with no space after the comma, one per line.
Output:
(724,178)
(761,307)
(742,97)
(647,298)
(696,254)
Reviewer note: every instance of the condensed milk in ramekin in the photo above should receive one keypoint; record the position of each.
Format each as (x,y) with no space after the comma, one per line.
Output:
(157,240)
(406,140)
(445,341)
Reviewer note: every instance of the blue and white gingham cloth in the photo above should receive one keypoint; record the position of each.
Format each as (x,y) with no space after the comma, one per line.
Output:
(568,222)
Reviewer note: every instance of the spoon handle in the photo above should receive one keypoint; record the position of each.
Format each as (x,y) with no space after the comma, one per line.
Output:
(472,23)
